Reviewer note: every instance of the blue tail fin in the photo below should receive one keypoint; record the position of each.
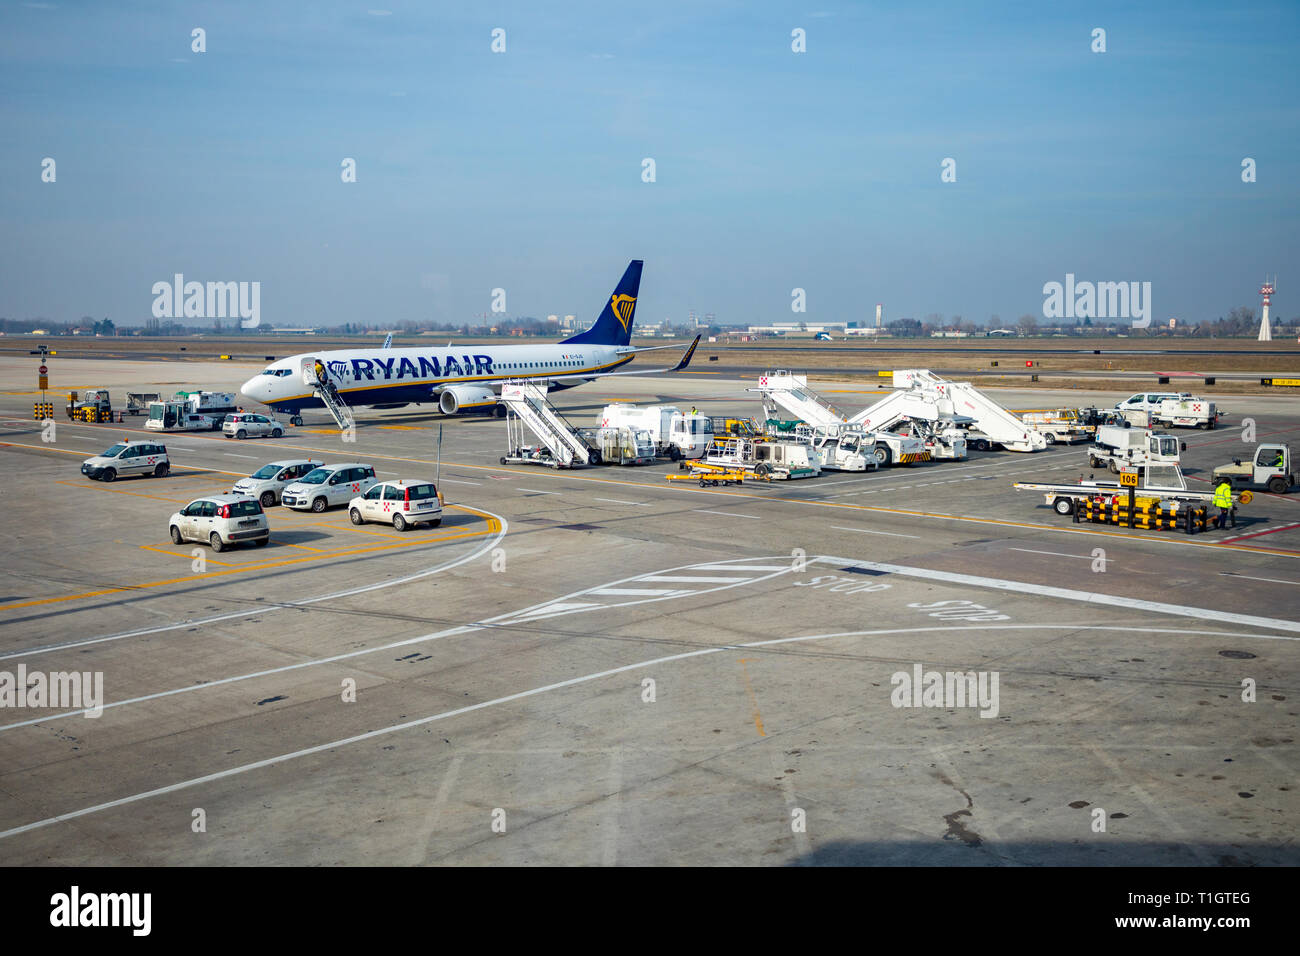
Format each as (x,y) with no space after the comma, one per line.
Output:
(614,324)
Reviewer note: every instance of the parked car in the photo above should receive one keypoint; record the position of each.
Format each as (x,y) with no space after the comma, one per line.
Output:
(268,482)
(134,458)
(328,485)
(221,521)
(401,503)
(245,425)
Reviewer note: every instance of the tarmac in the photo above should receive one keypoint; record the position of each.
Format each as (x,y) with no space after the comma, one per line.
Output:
(602,667)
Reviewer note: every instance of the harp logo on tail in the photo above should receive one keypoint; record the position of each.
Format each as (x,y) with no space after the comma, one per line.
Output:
(623,306)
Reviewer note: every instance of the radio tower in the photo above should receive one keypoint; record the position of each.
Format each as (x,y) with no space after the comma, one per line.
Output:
(1266,330)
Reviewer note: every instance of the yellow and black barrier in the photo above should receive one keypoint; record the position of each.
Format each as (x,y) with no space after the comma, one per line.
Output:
(1146,513)
(43,410)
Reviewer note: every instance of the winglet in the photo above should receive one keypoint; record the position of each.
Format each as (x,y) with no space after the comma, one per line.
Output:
(686,359)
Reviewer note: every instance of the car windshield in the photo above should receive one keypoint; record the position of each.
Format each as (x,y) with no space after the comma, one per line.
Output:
(155,413)
(114,451)
(269,471)
(419,492)
(316,477)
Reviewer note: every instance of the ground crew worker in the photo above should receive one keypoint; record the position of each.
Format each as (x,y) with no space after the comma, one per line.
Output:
(1281,459)
(1223,501)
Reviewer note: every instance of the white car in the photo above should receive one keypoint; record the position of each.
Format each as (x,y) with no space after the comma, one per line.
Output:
(401,503)
(135,458)
(1144,401)
(268,482)
(221,521)
(244,425)
(328,485)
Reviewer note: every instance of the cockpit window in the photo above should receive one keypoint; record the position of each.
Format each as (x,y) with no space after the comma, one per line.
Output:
(278,372)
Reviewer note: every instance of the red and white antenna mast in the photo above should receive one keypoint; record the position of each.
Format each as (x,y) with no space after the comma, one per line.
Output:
(1265,328)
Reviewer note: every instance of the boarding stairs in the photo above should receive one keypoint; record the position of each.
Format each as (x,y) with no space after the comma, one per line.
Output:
(329,395)
(919,394)
(791,392)
(526,401)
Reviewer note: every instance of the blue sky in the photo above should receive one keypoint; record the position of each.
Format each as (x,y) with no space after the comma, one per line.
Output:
(522,170)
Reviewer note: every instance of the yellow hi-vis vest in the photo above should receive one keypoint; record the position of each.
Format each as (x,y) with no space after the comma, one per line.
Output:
(1223,496)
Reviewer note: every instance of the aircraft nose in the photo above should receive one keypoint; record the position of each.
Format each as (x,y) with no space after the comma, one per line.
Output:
(247,389)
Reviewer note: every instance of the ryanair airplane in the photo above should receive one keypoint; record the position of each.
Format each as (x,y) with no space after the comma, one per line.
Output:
(458,380)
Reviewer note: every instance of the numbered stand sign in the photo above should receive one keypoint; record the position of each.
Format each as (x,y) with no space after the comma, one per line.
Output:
(1129,480)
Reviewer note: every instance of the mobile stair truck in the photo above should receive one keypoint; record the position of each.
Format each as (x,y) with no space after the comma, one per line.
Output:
(562,445)
(1118,448)
(676,434)
(1270,467)
(791,392)
(1158,500)
(919,393)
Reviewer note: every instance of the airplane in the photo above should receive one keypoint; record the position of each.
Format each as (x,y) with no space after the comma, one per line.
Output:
(395,377)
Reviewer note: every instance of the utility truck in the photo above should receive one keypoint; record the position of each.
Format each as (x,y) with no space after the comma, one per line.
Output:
(1185,411)
(766,459)
(1119,448)
(174,416)
(1271,467)
(1181,409)
(675,434)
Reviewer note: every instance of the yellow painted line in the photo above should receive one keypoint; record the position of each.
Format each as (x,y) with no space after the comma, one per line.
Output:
(83,456)
(493,526)
(177,554)
(753,699)
(402,428)
(118,491)
(305,547)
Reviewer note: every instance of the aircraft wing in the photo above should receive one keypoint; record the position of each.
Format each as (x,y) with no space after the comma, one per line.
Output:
(681,364)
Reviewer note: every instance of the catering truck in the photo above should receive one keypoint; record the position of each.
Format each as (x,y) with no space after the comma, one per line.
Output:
(676,434)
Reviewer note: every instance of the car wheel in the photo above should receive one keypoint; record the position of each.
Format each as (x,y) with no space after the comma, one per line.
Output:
(267,499)
(110,474)
(1278,485)
(276,433)
(435,522)
(703,483)
(1093,462)
(161,470)
(399,522)
(762,469)
(674,453)
(262,542)
(593,457)
(355,515)
(1049,438)
(177,537)
(1063,506)
(503,461)
(884,455)
(296,420)
(319,505)
(217,544)
(241,434)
